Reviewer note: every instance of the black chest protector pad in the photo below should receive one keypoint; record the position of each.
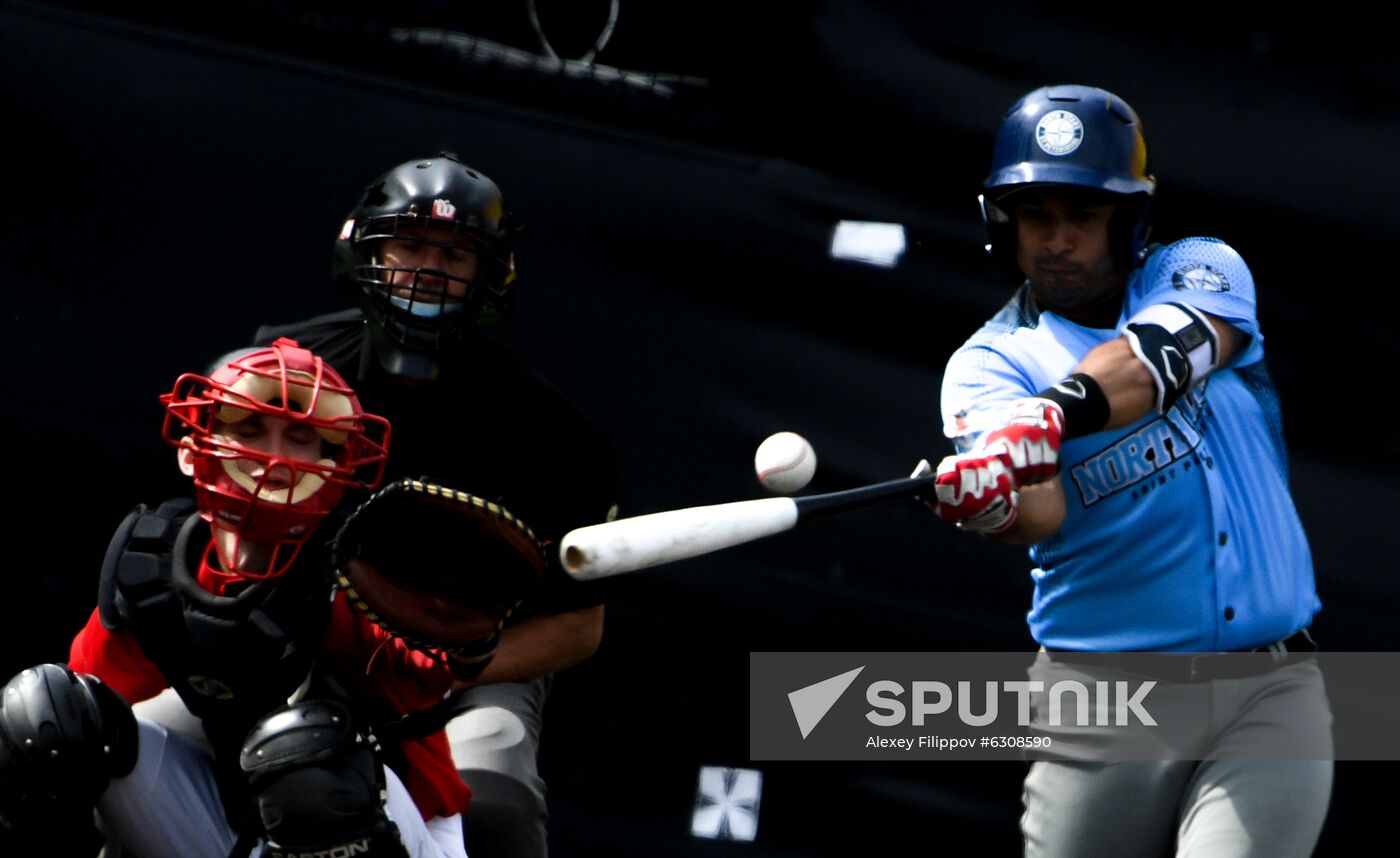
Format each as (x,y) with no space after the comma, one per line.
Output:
(231,658)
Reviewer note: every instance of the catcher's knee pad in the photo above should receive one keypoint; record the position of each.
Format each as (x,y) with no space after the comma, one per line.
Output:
(63,737)
(317,785)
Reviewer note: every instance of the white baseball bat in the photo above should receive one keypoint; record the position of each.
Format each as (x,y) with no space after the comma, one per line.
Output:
(628,544)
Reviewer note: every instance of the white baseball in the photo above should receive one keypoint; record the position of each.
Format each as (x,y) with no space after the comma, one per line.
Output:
(785,462)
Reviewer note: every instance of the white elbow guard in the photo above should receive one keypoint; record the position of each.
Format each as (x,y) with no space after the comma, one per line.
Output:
(1177,344)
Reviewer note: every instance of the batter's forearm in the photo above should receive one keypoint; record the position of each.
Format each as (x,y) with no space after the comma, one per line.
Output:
(1126,381)
(1040,512)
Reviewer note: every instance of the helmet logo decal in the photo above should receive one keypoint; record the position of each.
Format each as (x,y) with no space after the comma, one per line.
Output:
(1059,132)
(444,210)
(1195,275)
(347,229)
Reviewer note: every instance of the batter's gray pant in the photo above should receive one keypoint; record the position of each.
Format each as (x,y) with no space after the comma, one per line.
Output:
(1229,806)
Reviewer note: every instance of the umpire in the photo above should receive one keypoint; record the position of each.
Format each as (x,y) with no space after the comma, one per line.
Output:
(1117,416)
(426,256)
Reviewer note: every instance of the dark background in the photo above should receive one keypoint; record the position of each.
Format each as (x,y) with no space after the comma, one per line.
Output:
(177,176)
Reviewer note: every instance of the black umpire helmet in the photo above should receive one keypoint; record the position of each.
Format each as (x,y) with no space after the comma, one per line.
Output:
(1076,136)
(435,201)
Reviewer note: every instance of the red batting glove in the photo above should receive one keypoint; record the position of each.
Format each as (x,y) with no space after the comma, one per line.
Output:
(1029,441)
(975,491)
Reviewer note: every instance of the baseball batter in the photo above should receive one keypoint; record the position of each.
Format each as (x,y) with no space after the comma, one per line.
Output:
(1116,415)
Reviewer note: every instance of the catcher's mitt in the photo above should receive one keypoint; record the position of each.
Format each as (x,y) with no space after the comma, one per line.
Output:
(439,568)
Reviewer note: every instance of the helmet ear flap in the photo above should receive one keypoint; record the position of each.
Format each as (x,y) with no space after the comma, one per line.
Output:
(1001,233)
(1129,229)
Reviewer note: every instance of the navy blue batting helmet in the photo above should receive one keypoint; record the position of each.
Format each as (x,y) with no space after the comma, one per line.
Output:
(1080,136)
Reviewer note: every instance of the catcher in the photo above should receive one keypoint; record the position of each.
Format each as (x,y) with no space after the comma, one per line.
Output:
(302,656)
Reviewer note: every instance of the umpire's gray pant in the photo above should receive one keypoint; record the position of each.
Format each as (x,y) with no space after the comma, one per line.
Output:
(495,746)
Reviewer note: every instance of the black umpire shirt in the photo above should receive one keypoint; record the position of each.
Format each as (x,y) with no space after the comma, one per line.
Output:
(490,426)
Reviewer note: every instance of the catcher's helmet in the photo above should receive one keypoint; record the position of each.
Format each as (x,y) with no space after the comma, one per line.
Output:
(260,496)
(436,201)
(1080,136)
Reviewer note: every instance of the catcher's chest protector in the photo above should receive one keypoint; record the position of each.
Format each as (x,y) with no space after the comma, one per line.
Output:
(231,659)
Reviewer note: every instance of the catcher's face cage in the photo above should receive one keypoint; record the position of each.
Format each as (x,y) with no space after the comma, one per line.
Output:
(263,497)
(420,308)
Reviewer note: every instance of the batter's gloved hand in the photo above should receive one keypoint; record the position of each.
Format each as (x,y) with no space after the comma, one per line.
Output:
(1029,442)
(975,491)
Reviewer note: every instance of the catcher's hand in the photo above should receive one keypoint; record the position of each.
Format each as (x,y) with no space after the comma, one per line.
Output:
(439,568)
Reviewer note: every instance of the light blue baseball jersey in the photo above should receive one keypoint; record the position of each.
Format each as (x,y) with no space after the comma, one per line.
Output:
(1180,532)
